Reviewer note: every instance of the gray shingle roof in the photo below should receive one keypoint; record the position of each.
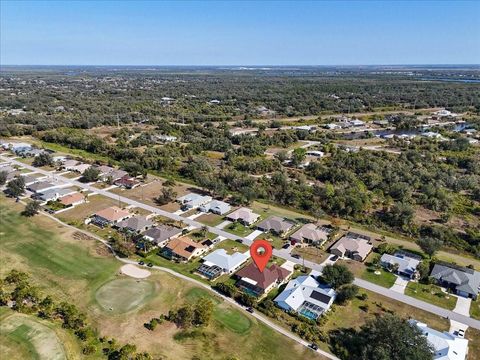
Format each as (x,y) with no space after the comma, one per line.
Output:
(466,280)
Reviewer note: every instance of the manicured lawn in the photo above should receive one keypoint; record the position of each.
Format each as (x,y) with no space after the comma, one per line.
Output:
(233,320)
(232,246)
(475,309)
(379,277)
(276,241)
(431,294)
(238,229)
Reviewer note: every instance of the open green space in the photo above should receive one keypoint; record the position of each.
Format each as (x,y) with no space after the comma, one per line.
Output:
(379,277)
(431,294)
(25,337)
(123,295)
(232,246)
(233,320)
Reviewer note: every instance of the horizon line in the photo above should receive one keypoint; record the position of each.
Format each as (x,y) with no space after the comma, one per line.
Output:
(251,65)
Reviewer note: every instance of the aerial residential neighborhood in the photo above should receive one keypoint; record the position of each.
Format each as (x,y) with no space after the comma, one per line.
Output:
(239,180)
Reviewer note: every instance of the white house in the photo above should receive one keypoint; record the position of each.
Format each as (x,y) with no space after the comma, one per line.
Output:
(193,200)
(216,207)
(219,262)
(446,346)
(306,296)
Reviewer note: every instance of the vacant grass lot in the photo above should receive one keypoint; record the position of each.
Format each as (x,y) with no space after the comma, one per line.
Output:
(210,219)
(311,254)
(232,246)
(238,229)
(432,294)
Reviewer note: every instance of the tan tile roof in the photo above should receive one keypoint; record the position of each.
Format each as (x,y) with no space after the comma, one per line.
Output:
(71,199)
(183,246)
(113,213)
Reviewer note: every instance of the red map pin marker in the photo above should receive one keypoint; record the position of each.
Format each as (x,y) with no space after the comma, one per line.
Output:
(261,252)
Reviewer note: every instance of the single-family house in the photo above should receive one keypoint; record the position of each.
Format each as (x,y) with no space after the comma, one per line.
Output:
(193,200)
(29,179)
(463,281)
(216,206)
(53,194)
(72,199)
(127,182)
(352,245)
(135,224)
(110,216)
(405,263)
(243,215)
(306,296)
(311,234)
(161,234)
(183,248)
(277,225)
(446,346)
(41,186)
(258,283)
(219,262)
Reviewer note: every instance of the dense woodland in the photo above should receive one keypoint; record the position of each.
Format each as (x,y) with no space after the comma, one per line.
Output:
(378,189)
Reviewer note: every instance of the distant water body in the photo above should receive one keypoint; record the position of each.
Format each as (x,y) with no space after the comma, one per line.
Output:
(452,80)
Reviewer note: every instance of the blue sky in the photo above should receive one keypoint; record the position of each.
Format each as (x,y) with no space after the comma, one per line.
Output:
(239,33)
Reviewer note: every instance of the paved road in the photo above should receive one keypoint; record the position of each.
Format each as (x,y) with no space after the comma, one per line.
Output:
(279,253)
(256,315)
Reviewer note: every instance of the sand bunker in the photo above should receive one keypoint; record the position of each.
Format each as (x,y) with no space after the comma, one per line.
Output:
(134,271)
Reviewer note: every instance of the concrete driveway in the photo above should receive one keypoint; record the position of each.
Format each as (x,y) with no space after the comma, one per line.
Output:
(463,306)
(223,224)
(253,235)
(400,284)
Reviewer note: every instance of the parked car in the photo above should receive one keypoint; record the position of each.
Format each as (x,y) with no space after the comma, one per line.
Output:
(296,256)
(286,246)
(239,241)
(314,346)
(250,310)
(149,264)
(334,258)
(141,263)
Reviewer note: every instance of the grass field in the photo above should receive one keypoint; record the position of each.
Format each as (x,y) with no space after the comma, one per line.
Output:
(123,295)
(232,246)
(25,337)
(379,277)
(210,219)
(238,229)
(432,294)
(75,270)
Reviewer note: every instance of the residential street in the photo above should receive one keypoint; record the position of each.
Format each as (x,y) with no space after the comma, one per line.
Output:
(361,283)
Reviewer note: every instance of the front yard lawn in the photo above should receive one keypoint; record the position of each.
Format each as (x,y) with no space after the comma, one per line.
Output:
(231,246)
(475,309)
(381,277)
(432,294)
(238,229)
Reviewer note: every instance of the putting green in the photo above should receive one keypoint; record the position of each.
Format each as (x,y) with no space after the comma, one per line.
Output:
(23,337)
(123,295)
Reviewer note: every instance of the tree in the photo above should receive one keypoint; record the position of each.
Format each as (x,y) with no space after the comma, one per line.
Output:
(345,293)
(90,175)
(16,187)
(430,245)
(3,177)
(203,312)
(167,195)
(31,208)
(336,275)
(43,159)
(184,316)
(385,337)
(298,156)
